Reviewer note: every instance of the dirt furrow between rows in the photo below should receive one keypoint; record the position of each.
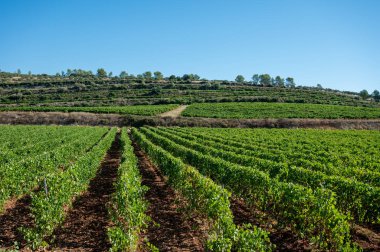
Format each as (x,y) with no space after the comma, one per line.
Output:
(170,229)
(85,226)
(286,240)
(17,214)
(283,238)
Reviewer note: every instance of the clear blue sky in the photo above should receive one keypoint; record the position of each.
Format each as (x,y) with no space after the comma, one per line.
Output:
(332,42)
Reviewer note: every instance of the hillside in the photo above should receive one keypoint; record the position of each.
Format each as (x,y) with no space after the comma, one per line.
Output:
(45,90)
(141,100)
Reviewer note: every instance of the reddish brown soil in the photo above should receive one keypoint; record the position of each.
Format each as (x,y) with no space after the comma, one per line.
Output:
(170,230)
(82,118)
(368,238)
(85,227)
(284,239)
(17,214)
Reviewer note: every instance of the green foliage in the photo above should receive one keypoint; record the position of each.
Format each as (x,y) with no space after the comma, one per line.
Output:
(62,187)
(129,110)
(364,94)
(158,75)
(376,95)
(29,153)
(129,90)
(128,207)
(309,212)
(240,79)
(205,196)
(123,74)
(250,237)
(356,198)
(147,75)
(101,73)
(245,110)
(278,81)
(265,79)
(190,77)
(290,82)
(255,79)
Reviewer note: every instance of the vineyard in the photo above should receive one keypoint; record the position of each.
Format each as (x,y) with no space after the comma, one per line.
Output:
(325,175)
(246,110)
(130,110)
(190,126)
(194,189)
(229,110)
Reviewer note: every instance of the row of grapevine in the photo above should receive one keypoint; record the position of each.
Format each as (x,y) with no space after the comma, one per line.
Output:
(332,148)
(210,199)
(48,208)
(131,110)
(247,110)
(21,177)
(308,212)
(43,145)
(311,160)
(128,206)
(16,137)
(359,199)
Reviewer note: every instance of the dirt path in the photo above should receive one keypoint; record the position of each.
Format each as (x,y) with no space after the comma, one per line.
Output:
(284,239)
(85,227)
(170,230)
(17,214)
(175,112)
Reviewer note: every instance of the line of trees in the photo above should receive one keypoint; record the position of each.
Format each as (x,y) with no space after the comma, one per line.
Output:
(148,75)
(267,80)
(365,95)
(102,73)
(257,79)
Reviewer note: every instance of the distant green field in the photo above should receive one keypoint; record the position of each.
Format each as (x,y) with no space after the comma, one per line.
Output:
(130,110)
(247,110)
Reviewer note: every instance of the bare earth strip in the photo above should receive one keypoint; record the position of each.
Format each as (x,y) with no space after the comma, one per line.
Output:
(85,227)
(82,118)
(16,215)
(282,237)
(175,112)
(170,229)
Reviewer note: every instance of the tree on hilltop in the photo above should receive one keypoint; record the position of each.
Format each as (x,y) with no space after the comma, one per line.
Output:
(255,79)
(101,73)
(364,94)
(376,95)
(240,79)
(190,77)
(279,82)
(158,75)
(290,82)
(265,79)
(123,74)
(147,75)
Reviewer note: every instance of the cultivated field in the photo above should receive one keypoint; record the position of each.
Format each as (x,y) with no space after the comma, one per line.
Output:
(304,179)
(189,189)
(147,110)
(247,110)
